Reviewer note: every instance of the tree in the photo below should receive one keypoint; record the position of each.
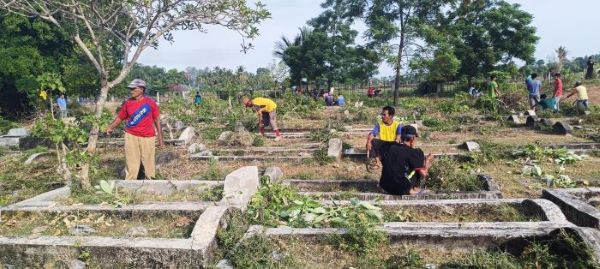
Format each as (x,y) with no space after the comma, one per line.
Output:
(487,32)
(30,47)
(106,31)
(394,25)
(561,55)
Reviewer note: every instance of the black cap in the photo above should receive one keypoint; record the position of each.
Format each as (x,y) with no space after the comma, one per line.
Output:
(409,131)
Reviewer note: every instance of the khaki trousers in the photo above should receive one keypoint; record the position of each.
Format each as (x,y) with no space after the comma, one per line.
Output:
(139,150)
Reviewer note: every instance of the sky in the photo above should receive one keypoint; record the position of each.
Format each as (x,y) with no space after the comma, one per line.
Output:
(573,24)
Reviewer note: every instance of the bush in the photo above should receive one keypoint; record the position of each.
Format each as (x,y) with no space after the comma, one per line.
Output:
(6,125)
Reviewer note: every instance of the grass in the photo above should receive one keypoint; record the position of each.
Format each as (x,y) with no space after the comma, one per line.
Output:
(19,182)
(164,225)
(447,175)
(478,213)
(127,197)
(562,251)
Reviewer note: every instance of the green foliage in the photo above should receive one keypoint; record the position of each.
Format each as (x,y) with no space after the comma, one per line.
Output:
(489,153)
(409,260)
(255,252)
(320,156)
(560,156)
(258,141)
(108,190)
(446,175)
(214,171)
(6,125)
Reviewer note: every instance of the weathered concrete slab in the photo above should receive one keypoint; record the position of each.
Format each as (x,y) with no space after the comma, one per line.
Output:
(9,142)
(471,146)
(514,119)
(275,174)
(188,135)
(531,121)
(562,128)
(334,149)
(200,157)
(574,206)
(17,132)
(239,187)
(361,154)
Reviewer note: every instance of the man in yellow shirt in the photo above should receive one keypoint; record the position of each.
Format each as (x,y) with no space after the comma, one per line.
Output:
(266,111)
(385,133)
(582,96)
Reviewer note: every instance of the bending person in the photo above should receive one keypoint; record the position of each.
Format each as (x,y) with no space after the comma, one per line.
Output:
(404,166)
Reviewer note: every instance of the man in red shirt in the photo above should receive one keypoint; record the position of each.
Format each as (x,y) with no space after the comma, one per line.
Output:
(142,117)
(558,90)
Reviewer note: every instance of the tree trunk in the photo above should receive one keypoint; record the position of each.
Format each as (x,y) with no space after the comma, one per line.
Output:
(84,172)
(398,69)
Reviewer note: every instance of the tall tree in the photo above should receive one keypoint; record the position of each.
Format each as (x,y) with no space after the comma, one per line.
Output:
(124,29)
(485,33)
(394,27)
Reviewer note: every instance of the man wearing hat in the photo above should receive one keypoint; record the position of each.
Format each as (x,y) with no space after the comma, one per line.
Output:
(404,166)
(142,116)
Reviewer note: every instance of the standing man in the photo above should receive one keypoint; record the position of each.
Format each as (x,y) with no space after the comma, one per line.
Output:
(589,74)
(493,92)
(266,111)
(385,133)
(534,91)
(61,101)
(558,90)
(582,96)
(404,166)
(143,117)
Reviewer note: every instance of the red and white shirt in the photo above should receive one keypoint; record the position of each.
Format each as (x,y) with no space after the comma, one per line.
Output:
(140,116)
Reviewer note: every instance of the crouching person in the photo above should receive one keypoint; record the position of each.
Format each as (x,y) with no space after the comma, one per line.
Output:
(404,166)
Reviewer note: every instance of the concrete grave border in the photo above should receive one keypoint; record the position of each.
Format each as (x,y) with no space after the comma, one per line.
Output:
(574,207)
(462,235)
(193,252)
(492,190)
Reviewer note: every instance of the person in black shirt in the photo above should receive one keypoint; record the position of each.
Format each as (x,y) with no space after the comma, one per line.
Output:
(589,74)
(404,166)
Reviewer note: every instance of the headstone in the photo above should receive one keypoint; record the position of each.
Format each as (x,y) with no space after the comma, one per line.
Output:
(18,132)
(274,173)
(530,113)
(347,128)
(335,148)
(225,137)
(239,126)
(243,138)
(562,128)
(514,119)
(531,121)
(521,114)
(188,135)
(195,148)
(472,146)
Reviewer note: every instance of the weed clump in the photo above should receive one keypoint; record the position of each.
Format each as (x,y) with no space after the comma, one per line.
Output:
(446,175)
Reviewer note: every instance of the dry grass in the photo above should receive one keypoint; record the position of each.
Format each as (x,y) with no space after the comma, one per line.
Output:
(164,225)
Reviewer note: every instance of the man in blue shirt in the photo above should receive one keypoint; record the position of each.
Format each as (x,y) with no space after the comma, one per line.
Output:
(61,101)
(533,87)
